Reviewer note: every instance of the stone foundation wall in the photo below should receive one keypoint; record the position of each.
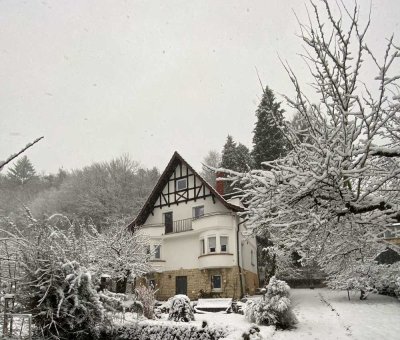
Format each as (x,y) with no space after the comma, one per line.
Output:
(199,283)
(251,282)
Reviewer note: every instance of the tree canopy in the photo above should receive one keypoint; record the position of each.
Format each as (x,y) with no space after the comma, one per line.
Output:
(335,193)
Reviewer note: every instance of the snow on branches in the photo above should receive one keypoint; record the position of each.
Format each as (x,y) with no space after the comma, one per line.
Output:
(337,191)
(120,253)
(274,308)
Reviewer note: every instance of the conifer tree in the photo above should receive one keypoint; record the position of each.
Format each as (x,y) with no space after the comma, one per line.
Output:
(243,158)
(269,141)
(235,157)
(229,158)
(22,171)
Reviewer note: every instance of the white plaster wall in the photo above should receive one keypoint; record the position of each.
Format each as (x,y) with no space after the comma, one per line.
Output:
(182,250)
(248,244)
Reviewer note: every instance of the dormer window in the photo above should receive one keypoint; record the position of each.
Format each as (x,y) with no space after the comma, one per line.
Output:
(181,184)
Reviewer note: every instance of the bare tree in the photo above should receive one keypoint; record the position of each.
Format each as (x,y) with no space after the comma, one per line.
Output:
(120,254)
(336,192)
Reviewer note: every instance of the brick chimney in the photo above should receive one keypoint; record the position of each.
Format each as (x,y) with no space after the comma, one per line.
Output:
(219,185)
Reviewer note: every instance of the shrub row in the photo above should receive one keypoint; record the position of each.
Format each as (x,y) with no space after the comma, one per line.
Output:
(151,331)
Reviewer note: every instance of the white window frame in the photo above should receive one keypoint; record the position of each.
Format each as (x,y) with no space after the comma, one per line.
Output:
(157,247)
(180,181)
(208,244)
(202,246)
(227,244)
(194,211)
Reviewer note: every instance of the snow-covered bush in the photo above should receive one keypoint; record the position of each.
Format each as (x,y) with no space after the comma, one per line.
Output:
(118,302)
(274,308)
(146,296)
(55,287)
(252,334)
(397,289)
(367,278)
(165,331)
(181,310)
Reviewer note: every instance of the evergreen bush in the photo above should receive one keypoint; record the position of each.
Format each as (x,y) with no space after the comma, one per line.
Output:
(181,310)
(274,308)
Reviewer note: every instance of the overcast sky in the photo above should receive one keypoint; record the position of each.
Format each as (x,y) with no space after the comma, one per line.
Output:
(102,78)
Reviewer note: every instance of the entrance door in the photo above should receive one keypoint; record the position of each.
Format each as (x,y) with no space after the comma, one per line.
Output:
(181,285)
(168,222)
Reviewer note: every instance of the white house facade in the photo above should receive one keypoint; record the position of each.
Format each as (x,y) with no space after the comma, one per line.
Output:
(198,242)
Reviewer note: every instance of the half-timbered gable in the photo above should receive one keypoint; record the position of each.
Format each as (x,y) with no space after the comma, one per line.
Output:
(180,184)
(183,186)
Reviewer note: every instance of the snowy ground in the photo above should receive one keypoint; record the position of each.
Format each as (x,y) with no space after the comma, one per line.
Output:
(326,315)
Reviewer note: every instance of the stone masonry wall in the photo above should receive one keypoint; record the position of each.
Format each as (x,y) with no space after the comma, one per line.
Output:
(200,280)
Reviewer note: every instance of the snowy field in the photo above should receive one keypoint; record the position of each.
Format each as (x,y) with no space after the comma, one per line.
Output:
(326,315)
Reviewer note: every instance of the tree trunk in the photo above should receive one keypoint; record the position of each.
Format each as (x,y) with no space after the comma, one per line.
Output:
(363,295)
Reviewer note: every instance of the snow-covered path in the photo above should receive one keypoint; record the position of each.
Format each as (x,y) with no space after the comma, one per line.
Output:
(328,315)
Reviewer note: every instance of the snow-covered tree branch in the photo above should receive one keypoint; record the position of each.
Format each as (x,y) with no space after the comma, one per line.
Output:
(336,192)
(120,254)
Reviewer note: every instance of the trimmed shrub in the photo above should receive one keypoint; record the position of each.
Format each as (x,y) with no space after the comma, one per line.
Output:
(274,308)
(252,334)
(157,331)
(181,310)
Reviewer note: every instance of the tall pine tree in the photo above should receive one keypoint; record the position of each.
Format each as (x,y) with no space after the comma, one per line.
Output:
(22,171)
(269,142)
(229,158)
(235,157)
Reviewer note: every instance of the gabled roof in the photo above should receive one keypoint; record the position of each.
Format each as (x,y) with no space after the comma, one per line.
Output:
(161,183)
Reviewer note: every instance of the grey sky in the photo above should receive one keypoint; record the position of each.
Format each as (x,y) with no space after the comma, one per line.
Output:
(103,78)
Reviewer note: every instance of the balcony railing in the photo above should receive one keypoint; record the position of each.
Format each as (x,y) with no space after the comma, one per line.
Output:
(179,226)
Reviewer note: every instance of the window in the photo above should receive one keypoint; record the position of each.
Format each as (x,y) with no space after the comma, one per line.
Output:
(202,247)
(216,282)
(223,240)
(252,257)
(181,184)
(148,250)
(168,222)
(212,244)
(157,252)
(198,211)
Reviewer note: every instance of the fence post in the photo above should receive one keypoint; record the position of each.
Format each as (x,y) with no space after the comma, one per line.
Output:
(30,326)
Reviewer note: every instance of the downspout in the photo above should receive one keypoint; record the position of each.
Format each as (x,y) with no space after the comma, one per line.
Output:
(238,258)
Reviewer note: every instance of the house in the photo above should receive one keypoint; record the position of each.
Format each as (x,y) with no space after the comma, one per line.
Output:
(198,241)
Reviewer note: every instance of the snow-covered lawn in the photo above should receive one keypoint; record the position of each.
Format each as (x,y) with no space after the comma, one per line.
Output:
(323,314)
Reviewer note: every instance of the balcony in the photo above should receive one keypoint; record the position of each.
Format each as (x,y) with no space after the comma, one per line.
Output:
(178,226)
(197,223)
